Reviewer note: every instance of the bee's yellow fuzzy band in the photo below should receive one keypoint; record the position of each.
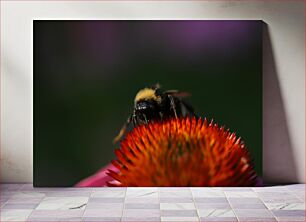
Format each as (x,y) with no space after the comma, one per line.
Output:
(147,94)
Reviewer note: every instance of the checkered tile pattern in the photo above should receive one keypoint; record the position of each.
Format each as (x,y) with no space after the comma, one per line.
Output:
(22,202)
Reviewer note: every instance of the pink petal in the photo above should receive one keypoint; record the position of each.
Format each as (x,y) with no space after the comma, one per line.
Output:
(99,179)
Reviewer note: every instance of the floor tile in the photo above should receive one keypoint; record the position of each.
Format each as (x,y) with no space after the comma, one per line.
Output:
(257,213)
(175,193)
(177,206)
(101,219)
(174,188)
(218,219)
(24,202)
(140,219)
(296,187)
(57,213)
(210,200)
(178,213)
(55,219)
(207,192)
(248,206)
(106,200)
(19,206)
(14,214)
(32,200)
(274,197)
(142,193)
(254,219)
(109,193)
(224,205)
(106,188)
(141,206)
(62,203)
(238,189)
(176,200)
(240,194)
(103,213)
(3,200)
(179,219)
(141,213)
(30,188)
(291,219)
(24,194)
(300,195)
(2,205)
(216,213)
(144,189)
(80,193)
(142,200)
(91,205)
(280,200)
(245,200)
(289,213)
(285,206)
(278,189)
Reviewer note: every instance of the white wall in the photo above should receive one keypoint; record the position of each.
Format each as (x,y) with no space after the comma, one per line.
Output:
(284,77)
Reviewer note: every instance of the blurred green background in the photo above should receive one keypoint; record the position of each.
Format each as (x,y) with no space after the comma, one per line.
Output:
(86,74)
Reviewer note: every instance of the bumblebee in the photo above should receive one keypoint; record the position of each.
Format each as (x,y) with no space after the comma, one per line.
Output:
(154,104)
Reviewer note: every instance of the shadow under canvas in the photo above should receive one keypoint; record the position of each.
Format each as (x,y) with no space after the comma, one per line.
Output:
(278,161)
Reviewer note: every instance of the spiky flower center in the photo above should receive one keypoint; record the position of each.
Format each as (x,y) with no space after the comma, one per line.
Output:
(183,152)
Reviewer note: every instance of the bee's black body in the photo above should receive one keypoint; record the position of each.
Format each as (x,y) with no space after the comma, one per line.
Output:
(151,109)
(154,104)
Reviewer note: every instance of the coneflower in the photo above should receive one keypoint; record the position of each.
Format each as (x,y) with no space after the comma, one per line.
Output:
(182,152)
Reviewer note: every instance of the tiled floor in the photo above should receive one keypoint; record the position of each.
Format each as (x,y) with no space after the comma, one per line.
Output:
(22,202)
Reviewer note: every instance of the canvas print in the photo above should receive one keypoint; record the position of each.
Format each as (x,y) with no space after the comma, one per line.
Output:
(147,103)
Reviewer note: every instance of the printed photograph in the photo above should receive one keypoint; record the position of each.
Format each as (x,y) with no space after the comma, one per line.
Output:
(147,103)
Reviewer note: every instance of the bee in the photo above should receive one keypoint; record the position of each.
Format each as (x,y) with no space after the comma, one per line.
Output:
(155,104)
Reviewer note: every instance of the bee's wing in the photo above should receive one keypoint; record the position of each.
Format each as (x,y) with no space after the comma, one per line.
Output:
(187,109)
(176,93)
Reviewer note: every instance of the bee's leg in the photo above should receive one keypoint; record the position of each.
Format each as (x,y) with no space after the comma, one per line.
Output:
(161,116)
(134,119)
(145,118)
(122,131)
(172,103)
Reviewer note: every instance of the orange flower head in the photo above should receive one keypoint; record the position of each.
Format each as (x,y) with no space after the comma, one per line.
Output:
(182,152)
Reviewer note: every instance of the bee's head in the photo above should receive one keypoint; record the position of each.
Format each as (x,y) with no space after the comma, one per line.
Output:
(147,100)
(147,94)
